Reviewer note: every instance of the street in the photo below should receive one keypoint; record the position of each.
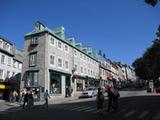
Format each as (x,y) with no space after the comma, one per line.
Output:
(132,106)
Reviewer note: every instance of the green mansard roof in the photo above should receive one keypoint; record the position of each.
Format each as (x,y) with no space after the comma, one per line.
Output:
(60,34)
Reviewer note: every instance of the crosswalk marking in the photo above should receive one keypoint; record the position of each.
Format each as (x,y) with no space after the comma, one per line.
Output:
(86,108)
(157,116)
(143,114)
(130,113)
(92,109)
(75,108)
(97,111)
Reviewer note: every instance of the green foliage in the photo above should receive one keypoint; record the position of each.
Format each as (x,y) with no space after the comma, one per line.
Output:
(151,2)
(148,66)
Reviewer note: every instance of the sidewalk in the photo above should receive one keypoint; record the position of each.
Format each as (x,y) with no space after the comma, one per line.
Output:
(54,100)
(57,100)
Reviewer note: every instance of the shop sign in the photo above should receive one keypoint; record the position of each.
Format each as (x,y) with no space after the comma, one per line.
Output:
(2,86)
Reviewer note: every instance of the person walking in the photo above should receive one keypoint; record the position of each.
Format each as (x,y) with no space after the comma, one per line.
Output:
(100,99)
(26,97)
(11,97)
(46,96)
(30,102)
(110,98)
(70,90)
(116,96)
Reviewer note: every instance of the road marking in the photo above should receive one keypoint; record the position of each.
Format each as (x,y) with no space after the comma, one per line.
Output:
(65,107)
(143,114)
(86,108)
(130,113)
(75,108)
(97,111)
(90,110)
(157,116)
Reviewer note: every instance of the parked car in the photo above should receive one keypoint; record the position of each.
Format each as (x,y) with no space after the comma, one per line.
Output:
(89,92)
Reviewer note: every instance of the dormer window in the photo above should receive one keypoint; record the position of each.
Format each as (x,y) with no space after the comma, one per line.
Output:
(34,41)
(52,41)
(7,47)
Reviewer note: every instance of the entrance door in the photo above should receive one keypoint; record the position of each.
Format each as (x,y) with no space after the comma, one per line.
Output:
(68,86)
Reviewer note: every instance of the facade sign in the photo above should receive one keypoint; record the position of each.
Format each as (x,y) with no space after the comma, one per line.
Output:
(2,86)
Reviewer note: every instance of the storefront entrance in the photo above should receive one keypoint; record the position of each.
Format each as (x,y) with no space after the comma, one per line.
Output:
(55,83)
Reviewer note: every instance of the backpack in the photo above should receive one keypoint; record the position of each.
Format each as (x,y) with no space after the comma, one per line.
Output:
(115,93)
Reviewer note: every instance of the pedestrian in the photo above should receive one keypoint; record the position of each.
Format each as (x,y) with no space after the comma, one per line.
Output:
(26,97)
(110,97)
(22,93)
(116,96)
(46,96)
(70,90)
(14,95)
(100,99)
(30,102)
(67,91)
(11,97)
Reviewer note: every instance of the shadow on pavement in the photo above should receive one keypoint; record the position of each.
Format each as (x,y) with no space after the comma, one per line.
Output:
(129,109)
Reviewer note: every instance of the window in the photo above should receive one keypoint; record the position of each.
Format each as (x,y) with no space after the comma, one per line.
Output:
(75,52)
(60,62)
(80,55)
(4,45)
(52,59)
(34,41)
(20,66)
(81,69)
(14,64)
(55,83)
(3,59)
(8,74)
(85,70)
(66,65)
(66,48)
(52,41)
(32,59)
(88,59)
(32,79)
(9,61)
(88,72)
(1,43)
(1,74)
(8,47)
(84,57)
(75,67)
(59,45)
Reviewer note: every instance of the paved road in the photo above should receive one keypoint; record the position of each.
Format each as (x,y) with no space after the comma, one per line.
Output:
(135,107)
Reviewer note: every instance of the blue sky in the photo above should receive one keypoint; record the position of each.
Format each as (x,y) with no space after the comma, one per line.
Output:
(121,29)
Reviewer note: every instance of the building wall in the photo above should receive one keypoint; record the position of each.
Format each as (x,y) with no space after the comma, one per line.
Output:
(10,67)
(40,50)
(59,53)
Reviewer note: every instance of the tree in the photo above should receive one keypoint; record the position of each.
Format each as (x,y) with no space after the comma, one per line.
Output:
(151,2)
(148,66)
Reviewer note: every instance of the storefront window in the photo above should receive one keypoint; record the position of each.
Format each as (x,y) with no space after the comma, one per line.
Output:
(79,85)
(55,83)
(32,79)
